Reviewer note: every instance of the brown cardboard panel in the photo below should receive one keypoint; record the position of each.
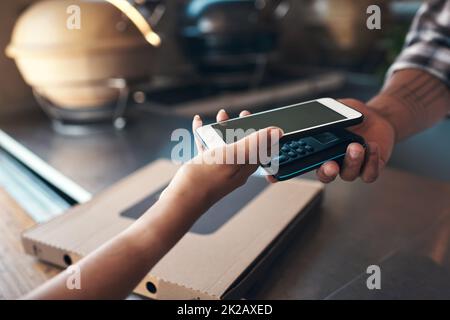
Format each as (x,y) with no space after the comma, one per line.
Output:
(268,256)
(83,228)
(202,265)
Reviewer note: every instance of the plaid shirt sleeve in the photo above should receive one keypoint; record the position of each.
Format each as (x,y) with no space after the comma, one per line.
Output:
(427,44)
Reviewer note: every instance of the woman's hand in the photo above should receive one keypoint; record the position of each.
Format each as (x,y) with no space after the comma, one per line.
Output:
(113,270)
(202,182)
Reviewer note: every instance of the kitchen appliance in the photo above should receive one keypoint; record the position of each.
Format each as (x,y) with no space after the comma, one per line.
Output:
(230,41)
(82,74)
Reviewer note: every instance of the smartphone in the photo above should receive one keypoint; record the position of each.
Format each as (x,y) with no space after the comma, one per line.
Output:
(299,120)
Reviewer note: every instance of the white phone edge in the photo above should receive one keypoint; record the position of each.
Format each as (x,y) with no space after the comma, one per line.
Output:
(211,139)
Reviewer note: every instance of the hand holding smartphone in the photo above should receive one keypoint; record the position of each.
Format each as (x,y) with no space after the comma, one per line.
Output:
(302,119)
(312,133)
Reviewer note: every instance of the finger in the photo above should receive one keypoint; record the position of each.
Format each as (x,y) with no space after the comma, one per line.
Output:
(371,168)
(353,161)
(271,179)
(197,123)
(222,115)
(249,150)
(328,171)
(244,113)
(163,193)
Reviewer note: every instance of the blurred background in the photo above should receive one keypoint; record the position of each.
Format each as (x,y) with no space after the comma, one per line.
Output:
(91,90)
(219,45)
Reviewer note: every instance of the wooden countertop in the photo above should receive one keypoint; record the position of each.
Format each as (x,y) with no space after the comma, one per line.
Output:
(19,273)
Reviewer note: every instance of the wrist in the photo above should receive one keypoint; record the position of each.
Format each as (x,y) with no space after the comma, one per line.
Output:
(159,228)
(385,107)
(196,186)
(192,199)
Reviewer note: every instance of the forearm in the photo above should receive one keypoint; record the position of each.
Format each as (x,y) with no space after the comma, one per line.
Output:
(114,270)
(110,272)
(412,100)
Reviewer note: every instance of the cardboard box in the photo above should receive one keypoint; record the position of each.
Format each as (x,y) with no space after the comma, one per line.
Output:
(219,258)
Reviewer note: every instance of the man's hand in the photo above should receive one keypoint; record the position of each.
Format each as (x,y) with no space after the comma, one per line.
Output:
(379,135)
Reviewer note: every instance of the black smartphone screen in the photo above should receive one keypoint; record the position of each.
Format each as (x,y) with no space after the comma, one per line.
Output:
(289,119)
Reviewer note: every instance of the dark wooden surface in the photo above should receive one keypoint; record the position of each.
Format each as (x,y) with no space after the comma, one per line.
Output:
(399,219)
(19,273)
